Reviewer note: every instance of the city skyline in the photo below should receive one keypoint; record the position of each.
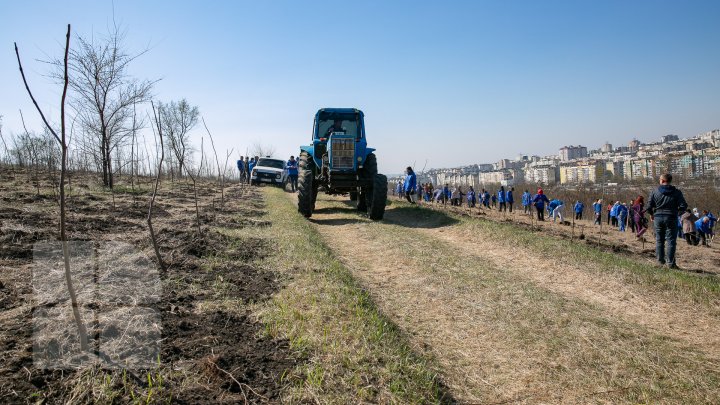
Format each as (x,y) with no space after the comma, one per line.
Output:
(518,155)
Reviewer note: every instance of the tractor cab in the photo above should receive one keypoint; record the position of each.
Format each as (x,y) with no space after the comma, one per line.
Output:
(339,139)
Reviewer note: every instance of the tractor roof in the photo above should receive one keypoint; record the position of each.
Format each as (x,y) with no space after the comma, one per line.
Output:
(339,110)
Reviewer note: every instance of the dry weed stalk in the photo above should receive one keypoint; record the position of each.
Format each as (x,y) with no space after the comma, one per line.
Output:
(157,118)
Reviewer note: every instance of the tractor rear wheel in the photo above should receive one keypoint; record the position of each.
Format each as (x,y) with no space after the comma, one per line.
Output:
(306,191)
(369,171)
(378,198)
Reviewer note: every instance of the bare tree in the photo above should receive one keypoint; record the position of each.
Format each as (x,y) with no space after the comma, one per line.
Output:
(104,94)
(179,118)
(63,171)
(193,178)
(260,149)
(221,174)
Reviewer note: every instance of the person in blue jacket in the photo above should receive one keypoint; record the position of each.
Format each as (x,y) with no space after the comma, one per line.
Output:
(702,227)
(251,165)
(241,168)
(578,208)
(555,209)
(410,185)
(713,221)
(501,199)
(509,198)
(446,194)
(471,197)
(539,202)
(486,198)
(292,171)
(526,201)
(614,213)
(622,216)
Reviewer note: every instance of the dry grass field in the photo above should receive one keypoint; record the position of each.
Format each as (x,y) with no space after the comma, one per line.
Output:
(430,305)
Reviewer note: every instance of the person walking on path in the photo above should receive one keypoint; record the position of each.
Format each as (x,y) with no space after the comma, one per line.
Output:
(292,171)
(410,185)
(510,199)
(688,220)
(597,208)
(638,212)
(526,199)
(539,202)
(578,208)
(666,202)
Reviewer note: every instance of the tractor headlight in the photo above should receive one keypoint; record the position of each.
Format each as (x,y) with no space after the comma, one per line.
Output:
(359,159)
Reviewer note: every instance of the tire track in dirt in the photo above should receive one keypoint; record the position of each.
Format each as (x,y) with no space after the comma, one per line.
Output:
(415,301)
(679,320)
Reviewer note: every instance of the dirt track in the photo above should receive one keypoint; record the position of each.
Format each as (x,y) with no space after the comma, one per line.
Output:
(512,323)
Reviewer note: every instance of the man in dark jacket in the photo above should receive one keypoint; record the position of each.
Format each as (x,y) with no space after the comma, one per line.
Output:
(665,204)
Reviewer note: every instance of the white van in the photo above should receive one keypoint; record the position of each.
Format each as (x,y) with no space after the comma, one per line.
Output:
(269,170)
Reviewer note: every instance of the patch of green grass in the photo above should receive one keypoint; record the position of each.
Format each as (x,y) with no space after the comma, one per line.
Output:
(354,353)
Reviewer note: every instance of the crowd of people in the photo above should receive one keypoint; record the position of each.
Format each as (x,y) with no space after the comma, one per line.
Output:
(666,208)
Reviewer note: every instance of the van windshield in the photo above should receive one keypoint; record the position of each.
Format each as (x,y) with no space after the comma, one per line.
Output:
(274,163)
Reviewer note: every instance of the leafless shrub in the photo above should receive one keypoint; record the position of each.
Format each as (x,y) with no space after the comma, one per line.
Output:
(104,95)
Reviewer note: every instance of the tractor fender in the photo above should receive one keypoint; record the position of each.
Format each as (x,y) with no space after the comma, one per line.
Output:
(310,149)
(368,151)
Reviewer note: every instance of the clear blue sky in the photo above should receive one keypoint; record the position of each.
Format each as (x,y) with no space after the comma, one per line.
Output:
(452,82)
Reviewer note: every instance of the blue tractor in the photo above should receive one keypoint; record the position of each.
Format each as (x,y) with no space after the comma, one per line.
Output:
(339,162)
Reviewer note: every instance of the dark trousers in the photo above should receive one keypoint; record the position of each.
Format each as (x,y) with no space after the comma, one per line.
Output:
(407,195)
(526,209)
(666,231)
(540,213)
(702,238)
(502,206)
(510,206)
(293,181)
(598,218)
(578,216)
